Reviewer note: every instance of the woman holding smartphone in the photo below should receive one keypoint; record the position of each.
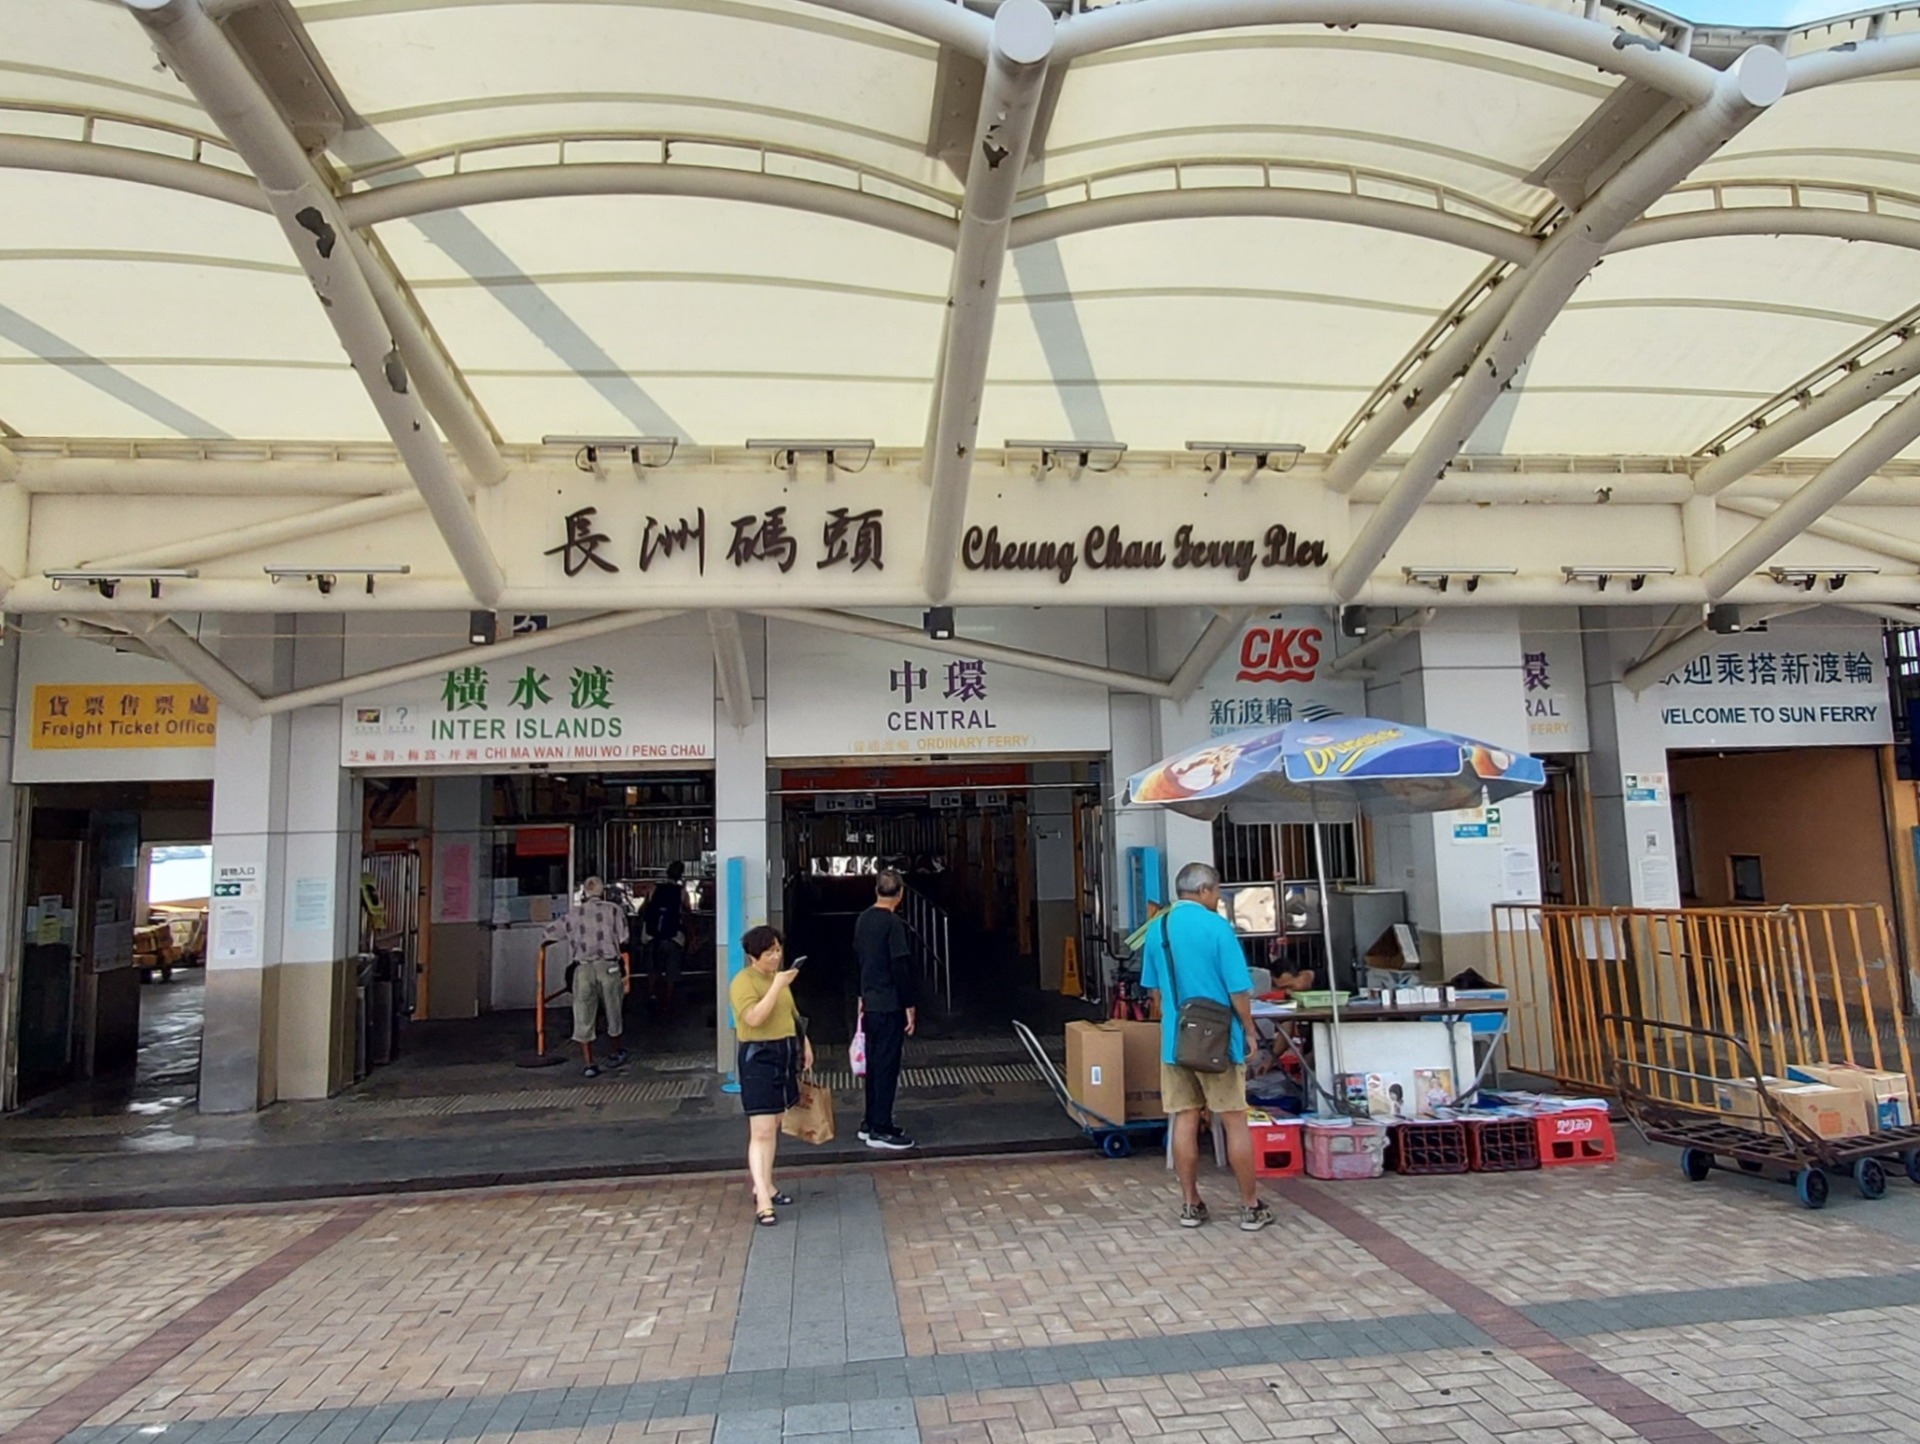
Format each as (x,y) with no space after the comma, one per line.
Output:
(771,1056)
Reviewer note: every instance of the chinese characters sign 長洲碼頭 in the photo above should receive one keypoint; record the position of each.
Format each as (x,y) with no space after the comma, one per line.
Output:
(79,715)
(1786,687)
(854,540)
(568,705)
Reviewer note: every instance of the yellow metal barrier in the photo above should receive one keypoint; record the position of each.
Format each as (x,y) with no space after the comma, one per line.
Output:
(1800,984)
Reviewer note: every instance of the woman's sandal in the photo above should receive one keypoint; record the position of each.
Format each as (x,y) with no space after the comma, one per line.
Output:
(765,1217)
(782,1200)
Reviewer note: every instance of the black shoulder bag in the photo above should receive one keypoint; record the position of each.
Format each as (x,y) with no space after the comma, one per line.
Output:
(1203,1029)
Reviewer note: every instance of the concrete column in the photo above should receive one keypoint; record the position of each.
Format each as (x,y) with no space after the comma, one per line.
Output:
(1134,725)
(1634,852)
(284,836)
(1182,839)
(317,882)
(459,981)
(238,1051)
(740,807)
(1460,673)
(13,906)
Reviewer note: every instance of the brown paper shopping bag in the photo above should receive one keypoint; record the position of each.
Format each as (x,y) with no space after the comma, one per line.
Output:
(811,1119)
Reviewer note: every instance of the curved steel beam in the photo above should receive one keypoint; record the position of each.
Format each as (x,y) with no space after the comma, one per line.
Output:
(941,21)
(112,162)
(1140,207)
(309,213)
(454,192)
(1830,223)
(1529,26)
(1853,62)
(1741,93)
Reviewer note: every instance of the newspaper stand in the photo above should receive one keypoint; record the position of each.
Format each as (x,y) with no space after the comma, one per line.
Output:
(1776,1145)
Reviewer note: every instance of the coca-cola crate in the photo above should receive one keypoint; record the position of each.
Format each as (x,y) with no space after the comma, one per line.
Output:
(1277,1151)
(1577,1135)
(1419,1148)
(1503,1145)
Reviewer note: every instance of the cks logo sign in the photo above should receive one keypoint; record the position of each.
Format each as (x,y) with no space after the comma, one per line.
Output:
(1279,654)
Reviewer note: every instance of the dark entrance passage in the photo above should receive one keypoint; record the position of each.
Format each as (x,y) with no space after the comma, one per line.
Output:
(1003,866)
(112,945)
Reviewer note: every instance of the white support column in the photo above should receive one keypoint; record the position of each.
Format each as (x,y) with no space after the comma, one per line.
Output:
(1135,735)
(15,508)
(13,905)
(1461,672)
(730,668)
(1886,439)
(1633,841)
(238,1051)
(1742,92)
(1009,101)
(1182,839)
(741,813)
(308,211)
(1219,635)
(166,639)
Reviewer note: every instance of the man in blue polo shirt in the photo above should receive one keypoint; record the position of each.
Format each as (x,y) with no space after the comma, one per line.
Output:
(1206,963)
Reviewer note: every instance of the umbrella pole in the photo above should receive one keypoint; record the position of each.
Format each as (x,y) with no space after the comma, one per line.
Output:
(1326,944)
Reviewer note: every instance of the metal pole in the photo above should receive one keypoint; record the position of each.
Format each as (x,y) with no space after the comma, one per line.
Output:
(1326,943)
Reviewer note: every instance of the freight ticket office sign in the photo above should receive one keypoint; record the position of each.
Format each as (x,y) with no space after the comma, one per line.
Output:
(601,703)
(87,716)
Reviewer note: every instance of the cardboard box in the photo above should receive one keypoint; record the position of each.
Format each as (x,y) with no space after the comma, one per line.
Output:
(1141,1043)
(1097,1069)
(1114,1069)
(1738,1098)
(1889,1096)
(1828,1112)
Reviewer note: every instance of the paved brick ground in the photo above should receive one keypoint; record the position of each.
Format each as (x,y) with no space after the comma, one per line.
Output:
(1044,1300)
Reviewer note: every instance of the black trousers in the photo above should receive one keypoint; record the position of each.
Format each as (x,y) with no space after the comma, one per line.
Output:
(886,1037)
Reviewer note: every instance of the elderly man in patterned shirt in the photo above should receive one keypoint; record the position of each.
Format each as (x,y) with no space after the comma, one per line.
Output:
(595,932)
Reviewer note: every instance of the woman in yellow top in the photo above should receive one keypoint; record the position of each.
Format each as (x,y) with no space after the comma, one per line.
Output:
(771,1057)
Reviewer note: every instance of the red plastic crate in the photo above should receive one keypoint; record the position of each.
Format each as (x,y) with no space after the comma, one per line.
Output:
(1503,1145)
(1423,1148)
(1579,1135)
(1276,1150)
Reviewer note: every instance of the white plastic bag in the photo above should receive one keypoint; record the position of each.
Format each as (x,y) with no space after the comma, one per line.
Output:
(857,1049)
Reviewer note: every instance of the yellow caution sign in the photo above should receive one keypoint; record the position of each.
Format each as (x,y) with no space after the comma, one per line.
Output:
(1070,968)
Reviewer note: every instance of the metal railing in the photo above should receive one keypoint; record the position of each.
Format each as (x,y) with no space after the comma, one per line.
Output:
(931,931)
(1800,984)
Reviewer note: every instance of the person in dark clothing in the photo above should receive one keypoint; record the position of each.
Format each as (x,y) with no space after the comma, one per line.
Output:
(664,915)
(887,993)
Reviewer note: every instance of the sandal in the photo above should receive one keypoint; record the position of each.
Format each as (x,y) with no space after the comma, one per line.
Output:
(765,1217)
(783,1200)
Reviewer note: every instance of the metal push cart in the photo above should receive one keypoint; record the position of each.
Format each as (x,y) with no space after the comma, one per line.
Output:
(1116,1140)
(1774,1144)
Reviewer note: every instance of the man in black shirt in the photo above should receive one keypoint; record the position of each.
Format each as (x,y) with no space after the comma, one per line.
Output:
(885,956)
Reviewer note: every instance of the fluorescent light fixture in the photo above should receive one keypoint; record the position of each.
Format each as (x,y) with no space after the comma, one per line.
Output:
(326,578)
(1634,577)
(1440,577)
(1074,455)
(1806,578)
(642,451)
(107,583)
(1265,455)
(788,451)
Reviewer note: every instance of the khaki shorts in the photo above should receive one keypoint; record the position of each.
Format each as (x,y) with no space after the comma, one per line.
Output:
(1182,1089)
(596,985)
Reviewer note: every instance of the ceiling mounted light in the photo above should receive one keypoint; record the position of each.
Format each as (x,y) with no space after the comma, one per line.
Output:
(1073,456)
(1807,578)
(643,451)
(326,578)
(1275,456)
(1438,578)
(1634,577)
(108,583)
(849,456)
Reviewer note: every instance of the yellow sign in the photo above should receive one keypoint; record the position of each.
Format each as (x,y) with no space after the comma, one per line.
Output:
(1069,968)
(71,715)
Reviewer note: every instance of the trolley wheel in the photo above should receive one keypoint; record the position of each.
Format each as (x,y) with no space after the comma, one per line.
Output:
(1696,1164)
(1870,1178)
(1912,1161)
(1810,1184)
(1116,1145)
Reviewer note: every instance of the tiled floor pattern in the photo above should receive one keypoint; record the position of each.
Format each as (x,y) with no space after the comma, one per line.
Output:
(1034,1300)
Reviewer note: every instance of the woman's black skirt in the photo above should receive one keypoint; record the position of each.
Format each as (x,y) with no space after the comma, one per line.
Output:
(769,1076)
